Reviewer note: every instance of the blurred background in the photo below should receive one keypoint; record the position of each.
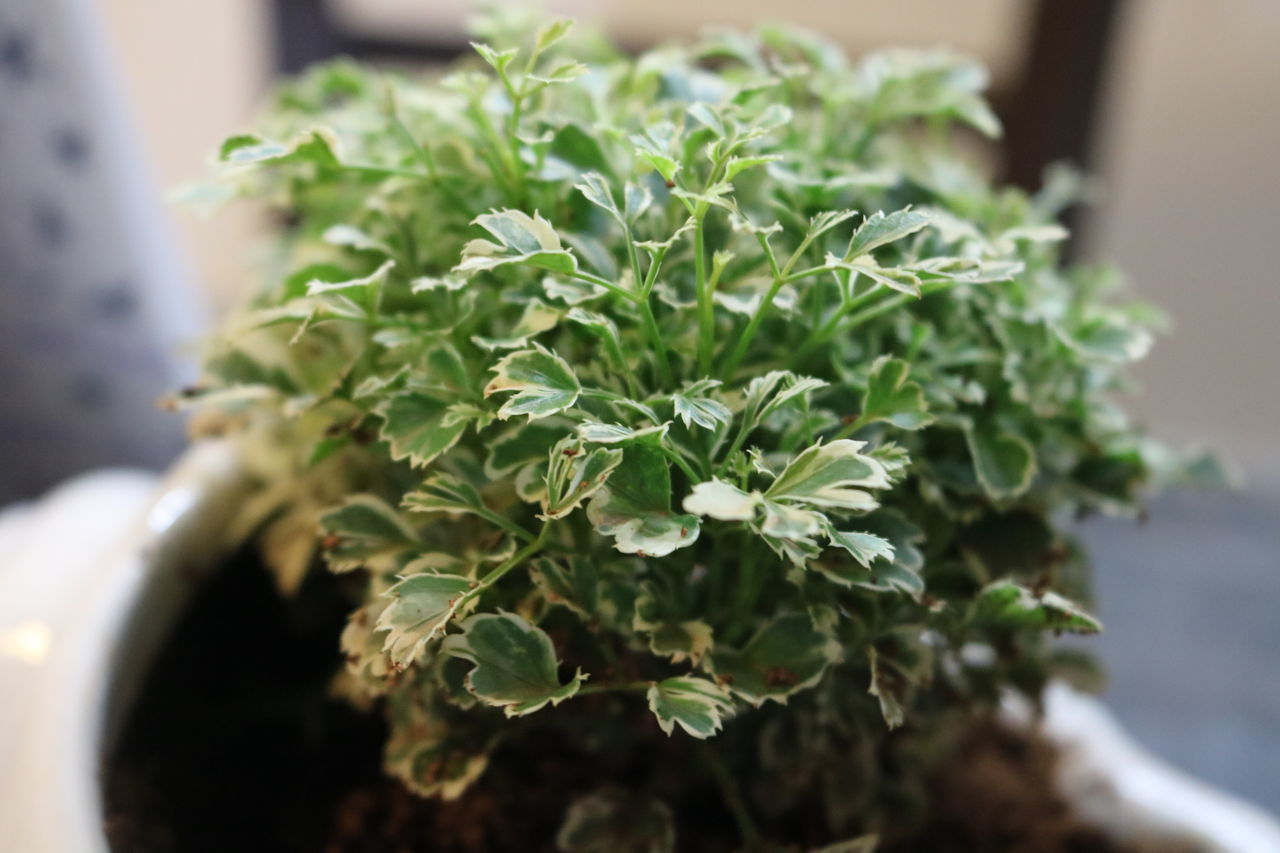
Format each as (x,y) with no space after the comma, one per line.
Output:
(1173,104)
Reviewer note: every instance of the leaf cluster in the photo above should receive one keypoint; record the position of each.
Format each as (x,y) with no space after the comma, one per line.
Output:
(716,379)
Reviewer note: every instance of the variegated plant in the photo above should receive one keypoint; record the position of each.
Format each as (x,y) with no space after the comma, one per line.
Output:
(716,379)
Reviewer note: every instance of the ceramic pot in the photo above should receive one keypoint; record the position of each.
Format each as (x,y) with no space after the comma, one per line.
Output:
(96,573)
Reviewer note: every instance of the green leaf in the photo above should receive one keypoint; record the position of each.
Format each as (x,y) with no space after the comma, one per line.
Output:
(888,686)
(445,493)
(551,34)
(880,229)
(670,636)
(614,822)
(900,279)
(544,383)
(693,405)
(596,189)
(575,474)
(634,507)
(696,704)
(364,531)
(429,754)
(832,475)
(825,221)
(602,327)
(419,428)
(498,59)
(522,443)
(595,433)
(375,279)
(1004,463)
(538,317)
(313,146)
(787,655)
(901,661)
(573,583)
(737,165)
(776,389)
(350,237)
(420,607)
(890,397)
(515,664)
(1007,604)
(1109,340)
(522,239)
(654,148)
(866,548)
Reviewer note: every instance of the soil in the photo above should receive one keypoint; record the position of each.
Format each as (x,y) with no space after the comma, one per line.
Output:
(235,744)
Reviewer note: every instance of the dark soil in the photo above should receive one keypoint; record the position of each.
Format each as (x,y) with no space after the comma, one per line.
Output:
(235,744)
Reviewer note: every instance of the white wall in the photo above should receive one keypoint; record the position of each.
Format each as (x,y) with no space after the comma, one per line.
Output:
(1191,153)
(195,72)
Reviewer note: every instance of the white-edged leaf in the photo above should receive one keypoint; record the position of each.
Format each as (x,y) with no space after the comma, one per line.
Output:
(419,428)
(634,507)
(1008,604)
(696,704)
(522,239)
(419,606)
(880,229)
(670,636)
(1004,463)
(445,493)
(544,383)
(694,405)
(597,433)
(787,655)
(575,474)
(537,318)
(515,663)
(723,501)
(365,531)
(373,279)
(831,475)
(890,397)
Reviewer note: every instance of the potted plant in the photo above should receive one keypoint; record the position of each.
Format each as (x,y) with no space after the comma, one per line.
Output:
(692,440)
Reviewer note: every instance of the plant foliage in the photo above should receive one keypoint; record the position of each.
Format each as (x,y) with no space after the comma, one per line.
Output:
(717,377)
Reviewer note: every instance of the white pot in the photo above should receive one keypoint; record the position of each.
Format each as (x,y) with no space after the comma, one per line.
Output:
(94,574)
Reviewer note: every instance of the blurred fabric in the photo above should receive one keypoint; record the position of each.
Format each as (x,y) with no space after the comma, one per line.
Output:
(94,301)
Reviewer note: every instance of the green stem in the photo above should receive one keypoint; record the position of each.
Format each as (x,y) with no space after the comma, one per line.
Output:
(706,308)
(654,334)
(682,463)
(738,440)
(507,525)
(650,322)
(605,283)
(728,785)
(497,574)
(849,428)
(831,326)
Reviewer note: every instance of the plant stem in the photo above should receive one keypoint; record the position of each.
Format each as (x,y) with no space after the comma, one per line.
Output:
(497,574)
(654,334)
(646,311)
(605,283)
(706,309)
(507,525)
(849,429)
(747,831)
